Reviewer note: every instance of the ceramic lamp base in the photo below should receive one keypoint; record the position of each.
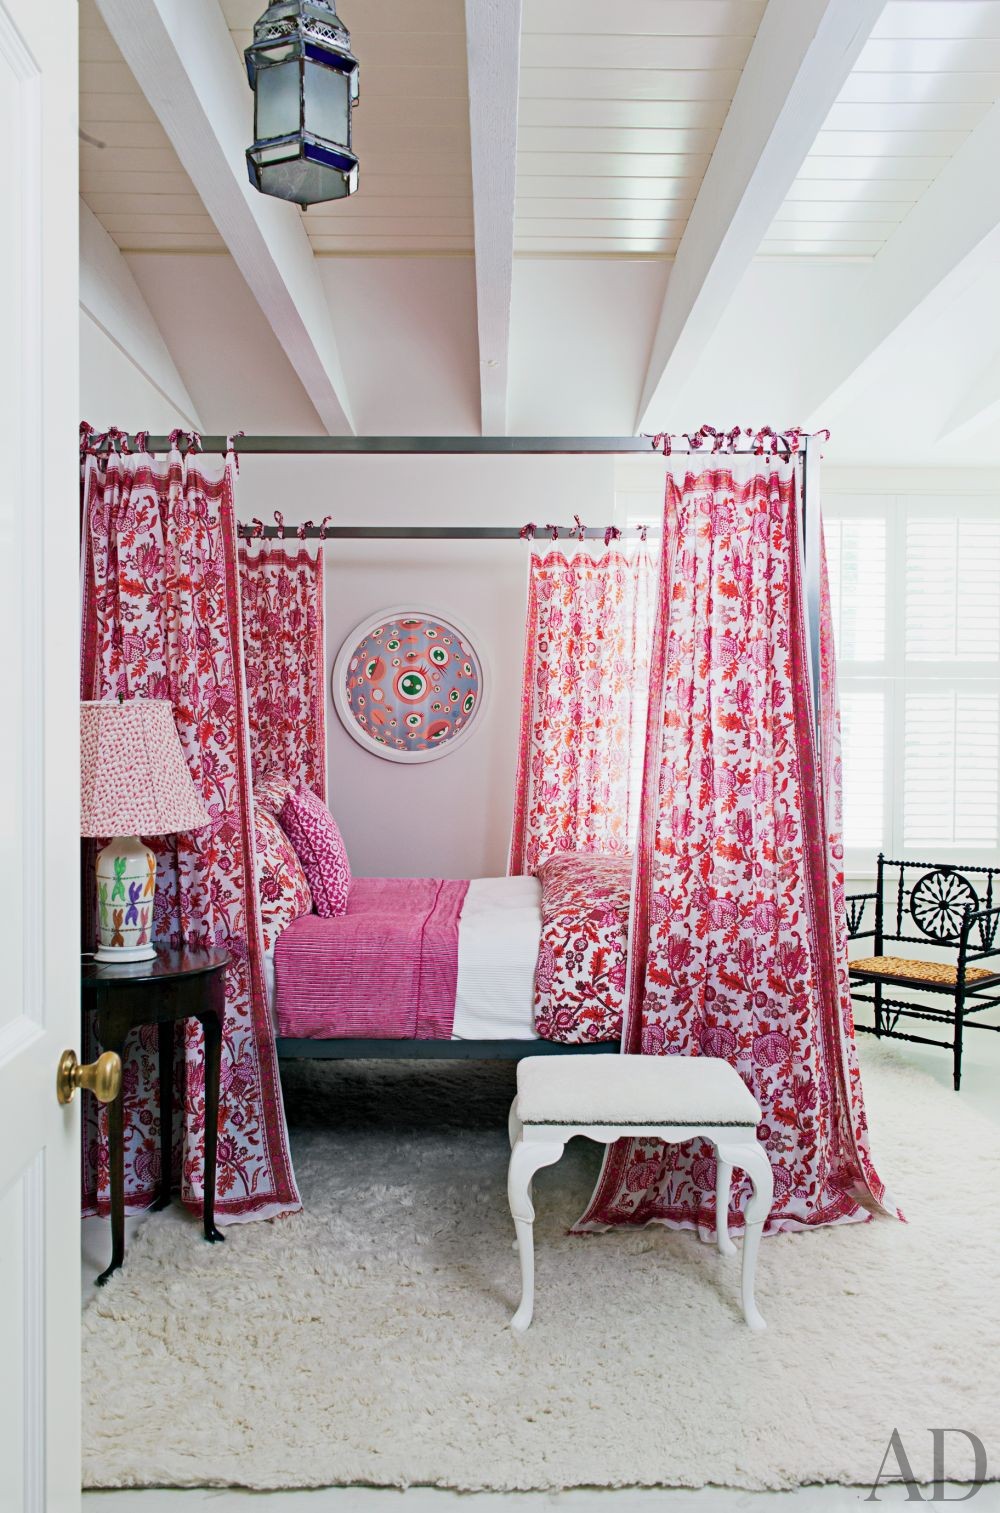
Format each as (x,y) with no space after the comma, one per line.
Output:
(124,953)
(126,890)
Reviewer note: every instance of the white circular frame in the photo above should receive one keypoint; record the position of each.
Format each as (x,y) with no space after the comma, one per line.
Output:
(338,684)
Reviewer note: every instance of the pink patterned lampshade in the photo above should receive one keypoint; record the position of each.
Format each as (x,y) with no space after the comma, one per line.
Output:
(134,778)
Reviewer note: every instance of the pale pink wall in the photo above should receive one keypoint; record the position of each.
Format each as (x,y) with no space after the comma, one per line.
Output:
(448,818)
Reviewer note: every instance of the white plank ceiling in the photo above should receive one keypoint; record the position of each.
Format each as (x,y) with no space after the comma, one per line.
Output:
(615,129)
(130,175)
(926,78)
(620,109)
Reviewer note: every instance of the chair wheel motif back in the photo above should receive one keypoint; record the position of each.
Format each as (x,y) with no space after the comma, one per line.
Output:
(938,902)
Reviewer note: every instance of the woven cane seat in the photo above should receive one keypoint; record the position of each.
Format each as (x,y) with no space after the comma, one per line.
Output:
(936,974)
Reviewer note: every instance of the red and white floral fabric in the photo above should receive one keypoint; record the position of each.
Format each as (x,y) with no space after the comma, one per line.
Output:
(283,643)
(583,705)
(284,890)
(582,958)
(161,620)
(738,933)
(271,793)
(320,848)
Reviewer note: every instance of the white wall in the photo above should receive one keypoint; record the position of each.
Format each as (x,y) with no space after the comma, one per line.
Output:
(127,375)
(229,357)
(405,327)
(451,817)
(581,331)
(114,392)
(580,340)
(406,331)
(771,358)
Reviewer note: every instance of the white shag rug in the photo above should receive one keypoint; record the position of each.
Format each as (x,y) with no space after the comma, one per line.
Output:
(365,1340)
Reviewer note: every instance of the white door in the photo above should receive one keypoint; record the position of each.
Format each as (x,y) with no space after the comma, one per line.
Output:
(39,773)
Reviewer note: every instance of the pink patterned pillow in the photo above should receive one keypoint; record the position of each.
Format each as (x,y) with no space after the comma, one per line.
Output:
(319,846)
(284,891)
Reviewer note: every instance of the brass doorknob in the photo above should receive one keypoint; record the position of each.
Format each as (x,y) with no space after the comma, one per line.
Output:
(102,1077)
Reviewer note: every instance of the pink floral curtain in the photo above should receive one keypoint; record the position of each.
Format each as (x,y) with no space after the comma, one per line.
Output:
(583,706)
(161,620)
(738,941)
(283,641)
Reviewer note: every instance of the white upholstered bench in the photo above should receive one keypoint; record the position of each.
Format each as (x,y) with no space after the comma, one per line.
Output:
(673,1098)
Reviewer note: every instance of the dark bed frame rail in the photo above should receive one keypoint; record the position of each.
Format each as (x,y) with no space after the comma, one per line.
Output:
(290,1049)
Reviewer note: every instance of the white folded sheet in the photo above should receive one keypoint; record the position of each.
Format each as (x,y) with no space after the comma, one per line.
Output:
(269,987)
(498,938)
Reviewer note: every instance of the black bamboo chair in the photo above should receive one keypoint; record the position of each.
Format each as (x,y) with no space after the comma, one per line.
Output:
(950,906)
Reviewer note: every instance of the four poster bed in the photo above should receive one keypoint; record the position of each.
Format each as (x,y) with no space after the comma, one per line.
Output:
(725,936)
(317,968)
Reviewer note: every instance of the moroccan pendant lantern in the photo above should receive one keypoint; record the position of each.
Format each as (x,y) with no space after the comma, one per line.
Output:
(305,85)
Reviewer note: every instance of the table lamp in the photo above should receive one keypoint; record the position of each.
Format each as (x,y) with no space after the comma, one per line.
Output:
(134,781)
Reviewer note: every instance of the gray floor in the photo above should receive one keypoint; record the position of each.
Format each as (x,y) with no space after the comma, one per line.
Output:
(980,1088)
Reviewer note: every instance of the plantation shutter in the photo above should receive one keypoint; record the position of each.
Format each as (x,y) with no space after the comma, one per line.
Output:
(952,586)
(951,698)
(951,755)
(915,595)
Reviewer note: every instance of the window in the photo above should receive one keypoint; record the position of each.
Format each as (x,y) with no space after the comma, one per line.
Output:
(915,591)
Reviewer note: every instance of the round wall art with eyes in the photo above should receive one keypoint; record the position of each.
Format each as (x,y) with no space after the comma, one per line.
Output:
(409,685)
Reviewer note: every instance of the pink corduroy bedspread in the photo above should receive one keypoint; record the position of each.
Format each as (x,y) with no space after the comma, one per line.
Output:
(386,969)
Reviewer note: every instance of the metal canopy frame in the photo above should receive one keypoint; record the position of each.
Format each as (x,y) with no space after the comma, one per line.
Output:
(312,532)
(441,446)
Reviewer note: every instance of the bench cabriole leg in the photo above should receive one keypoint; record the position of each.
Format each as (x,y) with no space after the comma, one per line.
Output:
(514,1125)
(525,1159)
(723,1177)
(514,1128)
(758,1168)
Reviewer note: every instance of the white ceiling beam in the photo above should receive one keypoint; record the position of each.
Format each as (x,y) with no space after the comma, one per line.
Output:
(113,300)
(493,43)
(949,238)
(800,58)
(184,61)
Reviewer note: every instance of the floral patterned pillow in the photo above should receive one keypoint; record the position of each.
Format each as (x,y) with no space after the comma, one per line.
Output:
(271,792)
(319,846)
(284,891)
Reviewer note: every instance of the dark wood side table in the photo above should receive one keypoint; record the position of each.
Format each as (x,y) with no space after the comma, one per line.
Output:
(176,984)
